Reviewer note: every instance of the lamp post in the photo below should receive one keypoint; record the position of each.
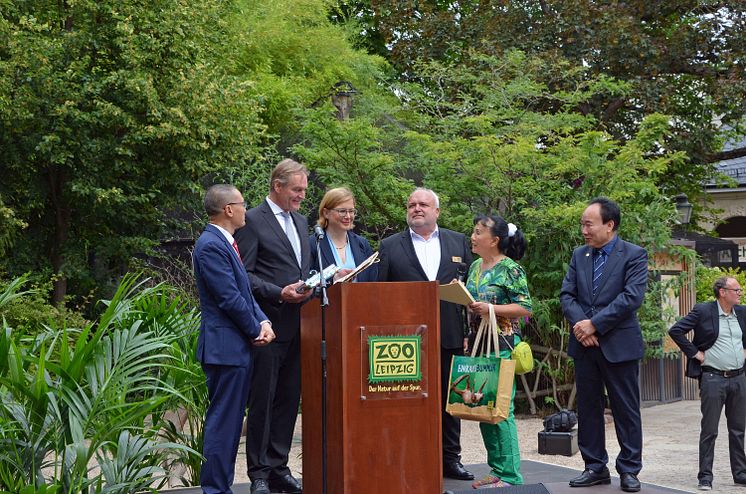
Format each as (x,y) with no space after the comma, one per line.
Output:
(342,94)
(683,209)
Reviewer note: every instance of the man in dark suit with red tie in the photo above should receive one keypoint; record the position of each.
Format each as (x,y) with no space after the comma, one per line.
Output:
(232,324)
(425,252)
(277,257)
(603,289)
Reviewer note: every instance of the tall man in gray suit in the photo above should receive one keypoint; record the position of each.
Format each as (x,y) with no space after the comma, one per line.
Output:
(425,252)
(275,252)
(604,286)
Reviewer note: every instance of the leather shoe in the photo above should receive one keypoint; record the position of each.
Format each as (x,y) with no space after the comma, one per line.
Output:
(629,482)
(739,480)
(456,470)
(259,486)
(589,478)
(286,483)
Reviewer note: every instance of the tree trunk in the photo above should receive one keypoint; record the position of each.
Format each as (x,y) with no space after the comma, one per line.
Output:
(57,182)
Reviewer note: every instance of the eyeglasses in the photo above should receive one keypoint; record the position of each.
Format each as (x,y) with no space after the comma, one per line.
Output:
(345,212)
(245,205)
(737,290)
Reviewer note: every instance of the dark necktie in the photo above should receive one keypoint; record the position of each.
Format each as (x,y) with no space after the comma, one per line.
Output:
(599,261)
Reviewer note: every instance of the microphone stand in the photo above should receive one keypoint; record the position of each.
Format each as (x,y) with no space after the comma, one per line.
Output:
(324,303)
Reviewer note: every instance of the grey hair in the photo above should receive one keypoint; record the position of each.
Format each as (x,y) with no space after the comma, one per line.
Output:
(719,284)
(216,197)
(284,170)
(429,191)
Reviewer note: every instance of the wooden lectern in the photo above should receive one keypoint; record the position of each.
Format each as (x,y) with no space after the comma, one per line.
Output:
(383,390)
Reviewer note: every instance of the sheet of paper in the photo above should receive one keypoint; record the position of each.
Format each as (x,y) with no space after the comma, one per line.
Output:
(455,293)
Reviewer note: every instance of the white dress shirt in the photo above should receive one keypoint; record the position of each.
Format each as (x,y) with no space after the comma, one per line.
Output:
(428,252)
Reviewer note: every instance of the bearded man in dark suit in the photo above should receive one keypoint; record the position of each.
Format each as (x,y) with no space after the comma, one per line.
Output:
(277,258)
(603,289)
(425,252)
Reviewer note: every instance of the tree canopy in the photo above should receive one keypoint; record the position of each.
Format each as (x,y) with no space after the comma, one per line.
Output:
(682,58)
(111,114)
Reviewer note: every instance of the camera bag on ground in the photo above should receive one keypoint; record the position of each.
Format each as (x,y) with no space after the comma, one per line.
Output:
(562,421)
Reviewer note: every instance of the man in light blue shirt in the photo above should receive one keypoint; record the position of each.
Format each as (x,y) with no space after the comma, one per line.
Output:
(716,357)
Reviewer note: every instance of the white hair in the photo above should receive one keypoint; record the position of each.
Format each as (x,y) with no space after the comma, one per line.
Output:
(429,191)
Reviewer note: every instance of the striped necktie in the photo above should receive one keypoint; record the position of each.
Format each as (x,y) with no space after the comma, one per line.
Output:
(599,261)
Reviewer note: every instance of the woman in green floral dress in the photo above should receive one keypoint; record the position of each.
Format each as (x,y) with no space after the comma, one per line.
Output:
(497,279)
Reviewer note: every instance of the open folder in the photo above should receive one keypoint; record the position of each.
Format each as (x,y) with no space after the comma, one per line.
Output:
(359,269)
(455,292)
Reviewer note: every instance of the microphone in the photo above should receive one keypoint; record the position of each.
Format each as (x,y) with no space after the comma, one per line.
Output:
(461,272)
(318,232)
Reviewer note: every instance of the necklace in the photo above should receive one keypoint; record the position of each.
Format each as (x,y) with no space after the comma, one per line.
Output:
(343,245)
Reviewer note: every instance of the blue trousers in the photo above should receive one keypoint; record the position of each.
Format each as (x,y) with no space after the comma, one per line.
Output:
(228,389)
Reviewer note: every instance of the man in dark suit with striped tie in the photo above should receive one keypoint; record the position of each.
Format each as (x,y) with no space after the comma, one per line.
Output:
(603,289)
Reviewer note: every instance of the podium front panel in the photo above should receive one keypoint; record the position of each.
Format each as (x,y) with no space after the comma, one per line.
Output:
(383,392)
(394,362)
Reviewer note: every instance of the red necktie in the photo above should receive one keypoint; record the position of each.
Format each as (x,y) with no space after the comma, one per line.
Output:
(235,247)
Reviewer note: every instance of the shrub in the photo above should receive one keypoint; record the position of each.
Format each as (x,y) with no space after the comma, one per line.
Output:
(706,279)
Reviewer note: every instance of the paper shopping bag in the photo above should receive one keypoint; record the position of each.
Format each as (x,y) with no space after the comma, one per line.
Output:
(480,388)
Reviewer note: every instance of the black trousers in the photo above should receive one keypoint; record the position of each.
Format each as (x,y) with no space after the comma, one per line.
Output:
(593,373)
(716,391)
(451,426)
(273,408)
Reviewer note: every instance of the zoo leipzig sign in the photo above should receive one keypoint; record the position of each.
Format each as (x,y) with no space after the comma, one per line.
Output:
(394,358)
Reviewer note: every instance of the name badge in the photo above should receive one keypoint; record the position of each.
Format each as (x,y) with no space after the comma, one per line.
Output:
(455,259)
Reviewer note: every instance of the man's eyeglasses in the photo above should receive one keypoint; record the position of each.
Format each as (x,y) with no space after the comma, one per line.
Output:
(345,212)
(243,203)
(737,290)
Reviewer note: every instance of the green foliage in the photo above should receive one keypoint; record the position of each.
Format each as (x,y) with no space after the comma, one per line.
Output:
(118,111)
(10,227)
(492,136)
(293,56)
(30,309)
(73,397)
(361,155)
(684,59)
(705,280)
(496,149)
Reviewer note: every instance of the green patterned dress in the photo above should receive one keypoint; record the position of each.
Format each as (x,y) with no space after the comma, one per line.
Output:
(505,283)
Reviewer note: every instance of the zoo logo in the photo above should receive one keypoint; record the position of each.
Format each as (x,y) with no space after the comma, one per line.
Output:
(394,358)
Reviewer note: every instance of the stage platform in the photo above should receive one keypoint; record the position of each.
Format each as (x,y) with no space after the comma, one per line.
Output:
(539,478)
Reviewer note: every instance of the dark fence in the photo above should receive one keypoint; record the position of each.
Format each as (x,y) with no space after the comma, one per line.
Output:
(661,380)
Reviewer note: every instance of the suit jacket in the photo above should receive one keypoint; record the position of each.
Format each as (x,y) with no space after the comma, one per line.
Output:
(613,310)
(231,317)
(705,321)
(360,251)
(399,263)
(271,264)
